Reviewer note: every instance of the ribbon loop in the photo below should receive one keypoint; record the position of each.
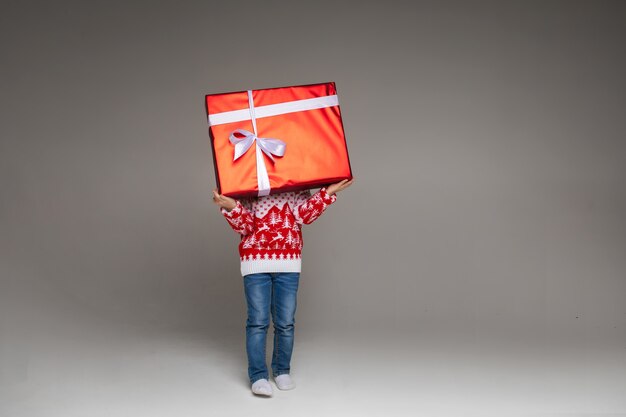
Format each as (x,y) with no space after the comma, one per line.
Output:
(241,144)
(272,146)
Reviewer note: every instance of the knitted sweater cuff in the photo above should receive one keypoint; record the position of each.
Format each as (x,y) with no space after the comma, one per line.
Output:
(327,198)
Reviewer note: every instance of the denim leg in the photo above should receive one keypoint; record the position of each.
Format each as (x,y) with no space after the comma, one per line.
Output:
(284,303)
(258,290)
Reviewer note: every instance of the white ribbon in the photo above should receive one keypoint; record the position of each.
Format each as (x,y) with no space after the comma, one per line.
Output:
(268,146)
(273,110)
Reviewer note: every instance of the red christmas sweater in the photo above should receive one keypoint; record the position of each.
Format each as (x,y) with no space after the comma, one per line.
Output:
(271,228)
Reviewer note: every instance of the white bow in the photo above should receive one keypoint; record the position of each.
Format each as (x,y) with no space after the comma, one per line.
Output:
(268,145)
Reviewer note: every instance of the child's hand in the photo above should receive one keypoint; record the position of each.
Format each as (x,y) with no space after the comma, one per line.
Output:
(223,201)
(342,185)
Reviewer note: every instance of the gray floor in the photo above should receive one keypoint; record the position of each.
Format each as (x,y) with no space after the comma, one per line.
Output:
(65,366)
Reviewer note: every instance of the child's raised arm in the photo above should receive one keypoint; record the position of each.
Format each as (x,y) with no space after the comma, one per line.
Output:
(309,208)
(237,216)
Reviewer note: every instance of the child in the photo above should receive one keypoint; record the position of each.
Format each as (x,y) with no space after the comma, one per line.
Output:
(269,251)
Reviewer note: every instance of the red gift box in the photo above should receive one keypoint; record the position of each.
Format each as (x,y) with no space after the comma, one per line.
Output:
(277,139)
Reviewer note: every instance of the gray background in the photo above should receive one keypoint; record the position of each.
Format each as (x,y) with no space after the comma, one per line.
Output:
(476,266)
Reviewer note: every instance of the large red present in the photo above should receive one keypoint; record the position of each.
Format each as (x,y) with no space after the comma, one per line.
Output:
(277,139)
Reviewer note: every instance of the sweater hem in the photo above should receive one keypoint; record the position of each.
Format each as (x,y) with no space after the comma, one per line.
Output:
(270,265)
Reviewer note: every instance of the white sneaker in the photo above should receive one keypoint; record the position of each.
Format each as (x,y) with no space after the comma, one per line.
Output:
(262,387)
(284,382)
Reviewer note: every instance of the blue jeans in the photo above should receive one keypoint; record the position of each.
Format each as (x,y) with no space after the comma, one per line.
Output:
(272,293)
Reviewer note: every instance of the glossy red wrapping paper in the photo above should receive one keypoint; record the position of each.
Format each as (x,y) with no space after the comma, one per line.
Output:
(316,153)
